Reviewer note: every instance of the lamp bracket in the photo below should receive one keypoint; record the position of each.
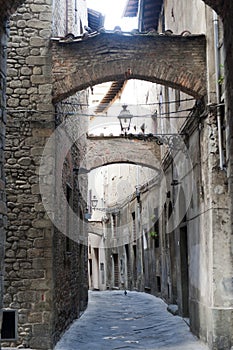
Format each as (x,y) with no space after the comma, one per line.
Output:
(173,141)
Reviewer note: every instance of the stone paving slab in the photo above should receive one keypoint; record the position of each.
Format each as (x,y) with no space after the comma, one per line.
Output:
(135,321)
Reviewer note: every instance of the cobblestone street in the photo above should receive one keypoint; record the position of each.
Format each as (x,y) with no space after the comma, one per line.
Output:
(135,321)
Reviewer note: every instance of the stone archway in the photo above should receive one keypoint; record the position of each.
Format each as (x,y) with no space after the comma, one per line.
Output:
(110,150)
(175,61)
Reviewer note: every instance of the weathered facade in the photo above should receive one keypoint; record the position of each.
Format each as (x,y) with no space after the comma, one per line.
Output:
(214,254)
(195,274)
(195,245)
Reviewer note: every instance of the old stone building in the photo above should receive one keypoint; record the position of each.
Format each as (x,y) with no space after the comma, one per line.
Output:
(7,8)
(195,245)
(45,265)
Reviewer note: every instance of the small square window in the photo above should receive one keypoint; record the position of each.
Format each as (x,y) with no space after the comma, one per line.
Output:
(9,325)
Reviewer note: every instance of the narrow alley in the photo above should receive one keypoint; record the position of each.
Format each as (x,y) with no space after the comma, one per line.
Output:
(133,321)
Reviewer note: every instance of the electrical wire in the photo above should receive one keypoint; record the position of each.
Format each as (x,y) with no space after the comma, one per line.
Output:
(138,104)
(160,116)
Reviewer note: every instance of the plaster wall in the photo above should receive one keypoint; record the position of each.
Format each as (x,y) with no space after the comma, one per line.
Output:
(208,215)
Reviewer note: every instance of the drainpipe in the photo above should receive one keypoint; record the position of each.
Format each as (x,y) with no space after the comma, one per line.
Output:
(140,15)
(67,17)
(217,72)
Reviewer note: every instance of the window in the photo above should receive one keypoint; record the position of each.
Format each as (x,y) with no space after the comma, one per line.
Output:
(69,199)
(158,280)
(134,227)
(9,325)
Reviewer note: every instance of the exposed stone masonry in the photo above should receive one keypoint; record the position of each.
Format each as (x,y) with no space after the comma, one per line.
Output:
(30,123)
(33,92)
(4,38)
(42,266)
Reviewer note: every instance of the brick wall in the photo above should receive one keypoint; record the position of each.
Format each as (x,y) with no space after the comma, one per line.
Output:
(176,61)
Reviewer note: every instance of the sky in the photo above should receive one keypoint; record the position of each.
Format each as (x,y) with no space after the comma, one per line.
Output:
(113,10)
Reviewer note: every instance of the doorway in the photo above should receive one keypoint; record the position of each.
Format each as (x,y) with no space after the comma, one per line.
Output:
(184,269)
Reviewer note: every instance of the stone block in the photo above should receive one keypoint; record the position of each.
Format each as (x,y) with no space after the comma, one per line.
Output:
(35,252)
(45,33)
(27,296)
(35,189)
(13,102)
(35,317)
(37,41)
(24,161)
(40,79)
(40,8)
(39,285)
(40,342)
(42,132)
(31,273)
(12,72)
(26,71)
(21,24)
(36,60)
(41,223)
(45,89)
(37,24)
(26,198)
(22,253)
(42,242)
(41,263)
(45,16)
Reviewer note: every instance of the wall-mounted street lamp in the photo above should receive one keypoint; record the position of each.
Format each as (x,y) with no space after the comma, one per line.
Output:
(94,202)
(173,141)
(125,119)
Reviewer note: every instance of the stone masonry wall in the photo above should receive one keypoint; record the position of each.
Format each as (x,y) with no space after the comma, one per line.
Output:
(28,257)
(32,256)
(70,289)
(4,38)
(7,7)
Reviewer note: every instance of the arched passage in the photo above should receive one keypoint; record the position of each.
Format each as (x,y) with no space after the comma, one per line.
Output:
(175,61)
(103,151)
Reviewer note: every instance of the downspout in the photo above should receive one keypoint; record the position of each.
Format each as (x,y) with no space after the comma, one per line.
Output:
(140,15)
(217,72)
(67,17)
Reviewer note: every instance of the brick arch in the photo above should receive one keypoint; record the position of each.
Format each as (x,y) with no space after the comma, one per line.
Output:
(175,61)
(105,151)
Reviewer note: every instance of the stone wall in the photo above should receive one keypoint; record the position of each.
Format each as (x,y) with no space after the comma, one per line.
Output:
(6,9)
(4,39)
(32,256)
(28,259)
(70,247)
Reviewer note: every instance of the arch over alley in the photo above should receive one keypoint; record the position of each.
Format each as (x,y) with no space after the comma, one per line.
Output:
(176,61)
(109,150)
